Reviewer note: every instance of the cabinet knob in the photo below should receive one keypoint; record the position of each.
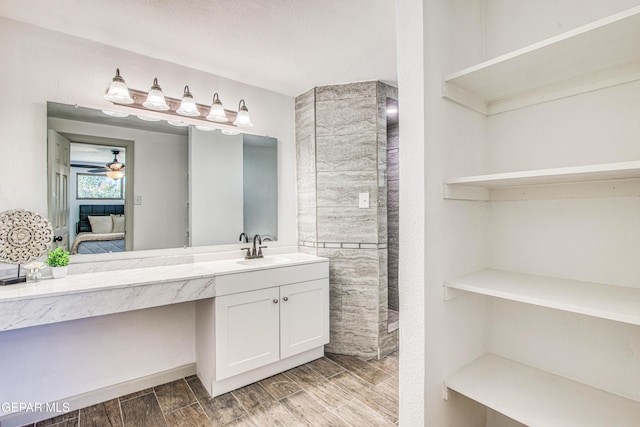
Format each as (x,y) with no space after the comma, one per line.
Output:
(275,301)
(285,299)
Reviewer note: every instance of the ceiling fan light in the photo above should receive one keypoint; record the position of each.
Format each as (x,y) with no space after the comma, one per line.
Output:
(217,114)
(115,174)
(155,98)
(188,106)
(243,120)
(118,91)
(115,165)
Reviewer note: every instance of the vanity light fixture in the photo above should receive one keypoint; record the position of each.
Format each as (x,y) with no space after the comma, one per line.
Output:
(243,120)
(188,106)
(155,98)
(205,128)
(230,132)
(217,114)
(185,110)
(118,91)
(115,113)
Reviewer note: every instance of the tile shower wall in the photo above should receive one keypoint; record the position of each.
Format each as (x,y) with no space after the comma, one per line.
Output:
(341,151)
(393,204)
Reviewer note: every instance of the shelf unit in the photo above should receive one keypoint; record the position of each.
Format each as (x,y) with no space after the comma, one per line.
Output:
(539,398)
(618,303)
(594,56)
(458,188)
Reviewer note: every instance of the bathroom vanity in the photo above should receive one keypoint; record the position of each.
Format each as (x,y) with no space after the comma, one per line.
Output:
(253,318)
(262,321)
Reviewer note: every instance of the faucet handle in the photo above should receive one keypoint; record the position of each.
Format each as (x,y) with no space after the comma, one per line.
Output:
(248,255)
(260,250)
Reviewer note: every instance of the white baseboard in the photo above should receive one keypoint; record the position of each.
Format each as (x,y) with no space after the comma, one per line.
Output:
(101,395)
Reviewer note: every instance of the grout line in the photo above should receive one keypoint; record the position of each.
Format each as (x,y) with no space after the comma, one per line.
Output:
(121,413)
(158,402)
(197,400)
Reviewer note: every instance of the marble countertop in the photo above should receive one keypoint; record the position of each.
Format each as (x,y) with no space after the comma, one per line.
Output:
(98,293)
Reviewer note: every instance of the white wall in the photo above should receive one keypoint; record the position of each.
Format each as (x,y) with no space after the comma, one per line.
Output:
(51,362)
(40,66)
(160,177)
(440,139)
(215,187)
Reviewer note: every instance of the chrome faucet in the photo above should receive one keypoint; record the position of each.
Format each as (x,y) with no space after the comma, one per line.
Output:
(259,254)
(255,252)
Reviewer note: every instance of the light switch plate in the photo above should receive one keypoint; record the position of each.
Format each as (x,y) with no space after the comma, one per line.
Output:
(137,200)
(363,202)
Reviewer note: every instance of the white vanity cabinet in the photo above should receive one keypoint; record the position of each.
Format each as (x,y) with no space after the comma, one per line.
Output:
(261,322)
(256,328)
(247,331)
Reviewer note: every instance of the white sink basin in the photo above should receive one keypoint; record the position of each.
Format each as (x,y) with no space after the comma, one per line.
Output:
(263,262)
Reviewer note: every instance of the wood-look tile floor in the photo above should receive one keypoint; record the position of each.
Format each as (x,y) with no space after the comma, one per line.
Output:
(333,391)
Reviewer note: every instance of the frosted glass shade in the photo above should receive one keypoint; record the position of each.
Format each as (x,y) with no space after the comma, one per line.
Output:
(230,132)
(115,174)
(188,106)
(177,123)
(217,114)
(243,120)
(155,98)
(118,91)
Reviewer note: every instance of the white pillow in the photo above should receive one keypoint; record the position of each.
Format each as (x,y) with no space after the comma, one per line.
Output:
(118,223)
(101,224)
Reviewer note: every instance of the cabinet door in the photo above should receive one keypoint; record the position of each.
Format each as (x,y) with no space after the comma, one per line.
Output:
(247,331)
(304,316)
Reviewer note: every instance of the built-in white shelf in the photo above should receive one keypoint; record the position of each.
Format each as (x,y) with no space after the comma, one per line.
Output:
(618,303)
(600,54)
(457,188)
(539,398)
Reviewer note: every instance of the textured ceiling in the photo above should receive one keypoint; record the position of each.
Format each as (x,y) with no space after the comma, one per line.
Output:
(287,46)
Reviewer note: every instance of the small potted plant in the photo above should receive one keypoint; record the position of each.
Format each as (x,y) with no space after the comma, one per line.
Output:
(58,260)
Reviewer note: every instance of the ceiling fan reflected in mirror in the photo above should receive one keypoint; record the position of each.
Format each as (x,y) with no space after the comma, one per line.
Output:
(114,169)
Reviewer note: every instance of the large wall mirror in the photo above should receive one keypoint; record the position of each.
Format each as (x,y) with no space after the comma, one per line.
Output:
(127,183)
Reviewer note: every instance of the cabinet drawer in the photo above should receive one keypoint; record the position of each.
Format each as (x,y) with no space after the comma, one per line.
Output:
(268,278)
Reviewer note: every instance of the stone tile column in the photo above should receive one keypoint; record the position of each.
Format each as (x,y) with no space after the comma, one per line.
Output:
(339,144)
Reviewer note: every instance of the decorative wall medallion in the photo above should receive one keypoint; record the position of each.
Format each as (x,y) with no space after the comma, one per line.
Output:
(24,236)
